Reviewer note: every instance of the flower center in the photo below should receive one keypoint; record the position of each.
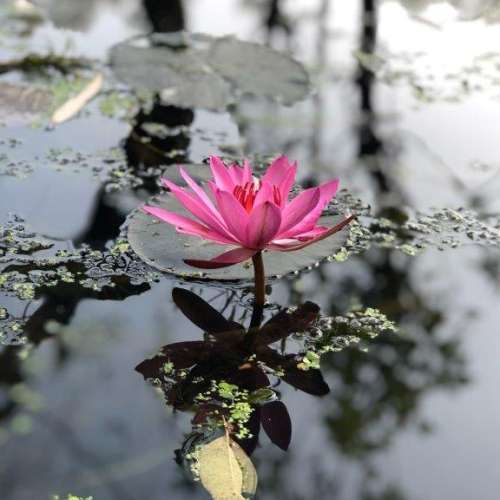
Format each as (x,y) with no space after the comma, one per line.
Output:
(247,193)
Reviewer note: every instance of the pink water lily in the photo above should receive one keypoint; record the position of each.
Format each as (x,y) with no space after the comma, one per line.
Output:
(249,213)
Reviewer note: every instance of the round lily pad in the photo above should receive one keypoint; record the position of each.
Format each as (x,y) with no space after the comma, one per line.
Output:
(256,69)
(200,71)
(162,247)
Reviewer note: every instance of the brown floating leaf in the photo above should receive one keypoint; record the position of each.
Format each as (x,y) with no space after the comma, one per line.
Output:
(74,105)
(249,474)
(219,470)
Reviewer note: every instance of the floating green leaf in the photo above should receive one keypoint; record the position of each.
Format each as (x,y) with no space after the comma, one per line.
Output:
(199,71)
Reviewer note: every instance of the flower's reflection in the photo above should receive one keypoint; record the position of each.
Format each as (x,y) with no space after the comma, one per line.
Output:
(230,379)
(227,376)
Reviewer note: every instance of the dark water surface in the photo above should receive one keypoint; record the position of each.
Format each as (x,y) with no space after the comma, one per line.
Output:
(414,417)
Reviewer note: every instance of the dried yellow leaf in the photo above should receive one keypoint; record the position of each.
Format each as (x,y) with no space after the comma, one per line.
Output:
(74,105)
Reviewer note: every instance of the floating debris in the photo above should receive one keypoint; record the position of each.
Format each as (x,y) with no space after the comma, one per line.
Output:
(75,104)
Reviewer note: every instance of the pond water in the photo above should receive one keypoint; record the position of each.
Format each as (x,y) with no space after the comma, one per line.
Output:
(402,105)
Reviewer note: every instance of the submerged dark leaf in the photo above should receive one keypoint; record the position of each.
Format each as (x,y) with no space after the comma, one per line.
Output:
(204,413)
(201,313)
(310,381)
(151,368)
(180,354)
(285,323)
(277,424)
(250,377)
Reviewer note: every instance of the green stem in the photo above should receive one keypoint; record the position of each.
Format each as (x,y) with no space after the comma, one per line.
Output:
(260,290)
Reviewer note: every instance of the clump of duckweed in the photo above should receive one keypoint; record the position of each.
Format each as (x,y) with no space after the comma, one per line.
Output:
(114,273)
(234,403)
(109,166)
(10,167)
(114,104)
(444,228)
(333,334)
(16,240)
(310,360)
(25,291)
(11,329)
(120,247)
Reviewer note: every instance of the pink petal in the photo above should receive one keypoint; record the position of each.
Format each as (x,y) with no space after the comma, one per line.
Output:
(247,172)
(208,235)
(287,184)
(265,194)
(198,209)
(202,195)
(307,235)
(327,191)
(283,242)
(221,174)
(234,215)
(322,236)
(298,209)
(263,224)
(317,231)
(173,218)
(226,259)
(185,225)
(236,174)
(277,171)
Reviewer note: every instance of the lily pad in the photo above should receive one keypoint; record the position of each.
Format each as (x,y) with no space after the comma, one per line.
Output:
(199,71)
(162,247)
(259,70)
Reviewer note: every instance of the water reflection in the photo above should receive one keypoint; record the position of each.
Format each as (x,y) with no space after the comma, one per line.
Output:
(160,135)
(226,376)
(231,378)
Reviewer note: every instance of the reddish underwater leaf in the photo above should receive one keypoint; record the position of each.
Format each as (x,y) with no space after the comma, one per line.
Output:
(276,422)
